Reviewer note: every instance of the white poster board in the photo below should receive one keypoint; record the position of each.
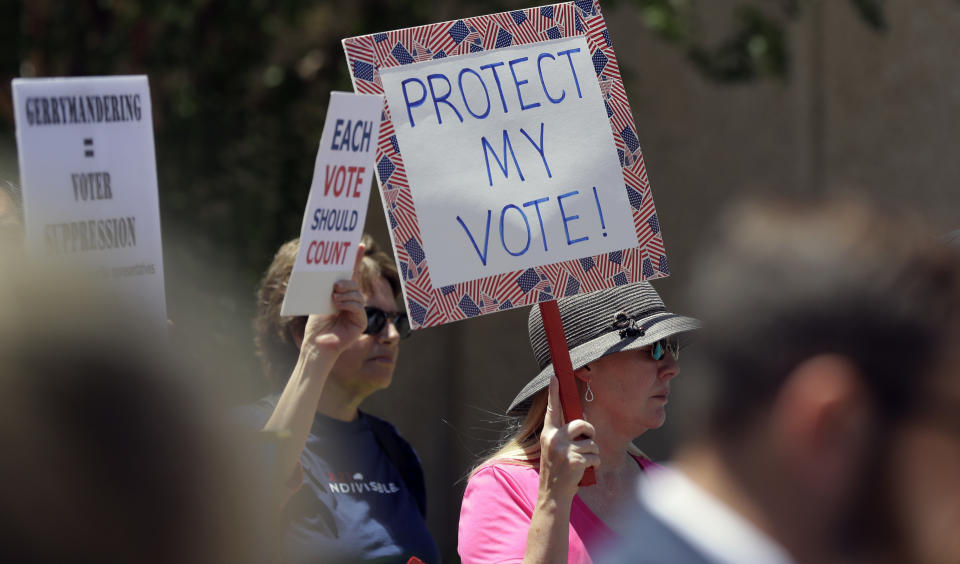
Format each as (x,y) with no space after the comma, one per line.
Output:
(88,169)
(337,204)
(514,163)
(509,161)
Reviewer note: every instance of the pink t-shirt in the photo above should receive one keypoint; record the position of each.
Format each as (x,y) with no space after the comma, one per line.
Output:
(497,509)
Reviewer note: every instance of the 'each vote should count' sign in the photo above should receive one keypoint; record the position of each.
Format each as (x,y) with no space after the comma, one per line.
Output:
(337,204)
(508,161)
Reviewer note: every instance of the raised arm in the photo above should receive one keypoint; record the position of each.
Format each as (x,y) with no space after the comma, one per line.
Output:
(324,338)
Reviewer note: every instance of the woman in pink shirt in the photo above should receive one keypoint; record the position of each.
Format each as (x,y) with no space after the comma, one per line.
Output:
(523,504)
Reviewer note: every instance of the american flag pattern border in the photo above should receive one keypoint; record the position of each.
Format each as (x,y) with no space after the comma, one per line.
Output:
(430,306)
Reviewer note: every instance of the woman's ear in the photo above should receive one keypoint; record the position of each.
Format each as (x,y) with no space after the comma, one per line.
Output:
(582,373)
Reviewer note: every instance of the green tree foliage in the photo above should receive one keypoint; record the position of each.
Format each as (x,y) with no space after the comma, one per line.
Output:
(755,46)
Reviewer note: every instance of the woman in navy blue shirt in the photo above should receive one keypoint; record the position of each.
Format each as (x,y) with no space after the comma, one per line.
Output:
(353,488)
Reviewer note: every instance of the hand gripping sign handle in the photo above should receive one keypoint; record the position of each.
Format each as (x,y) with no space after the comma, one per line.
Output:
(563,368)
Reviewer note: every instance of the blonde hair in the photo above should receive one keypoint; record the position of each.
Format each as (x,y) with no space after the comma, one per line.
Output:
(522,445)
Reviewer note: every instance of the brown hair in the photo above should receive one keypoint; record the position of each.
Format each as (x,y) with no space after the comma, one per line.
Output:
(276,348)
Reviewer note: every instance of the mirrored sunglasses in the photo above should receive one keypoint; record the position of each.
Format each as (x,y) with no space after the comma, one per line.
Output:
(377,319)
(671,344)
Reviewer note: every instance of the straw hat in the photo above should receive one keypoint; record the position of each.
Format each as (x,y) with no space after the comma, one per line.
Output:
(601,323)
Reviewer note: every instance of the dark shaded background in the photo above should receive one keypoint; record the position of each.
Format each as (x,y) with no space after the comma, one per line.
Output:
(730,97)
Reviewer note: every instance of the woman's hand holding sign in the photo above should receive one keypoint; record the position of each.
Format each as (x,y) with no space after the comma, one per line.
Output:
(331,334)
(566,451)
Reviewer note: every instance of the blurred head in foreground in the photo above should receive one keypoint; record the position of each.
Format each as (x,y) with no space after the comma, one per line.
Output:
(927,464)
(109,456)
(829,329)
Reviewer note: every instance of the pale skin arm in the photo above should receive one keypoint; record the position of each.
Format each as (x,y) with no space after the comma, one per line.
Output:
(324,338)
(566,451)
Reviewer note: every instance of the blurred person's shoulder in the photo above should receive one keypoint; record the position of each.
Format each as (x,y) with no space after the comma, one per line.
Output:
(680,521)
(651,541)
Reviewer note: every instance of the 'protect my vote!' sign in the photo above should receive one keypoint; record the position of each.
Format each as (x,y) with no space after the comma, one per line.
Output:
(509,162)
(90,181)
(337,204)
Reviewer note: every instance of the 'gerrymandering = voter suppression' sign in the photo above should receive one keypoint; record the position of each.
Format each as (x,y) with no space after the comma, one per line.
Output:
(508,161)
(90,182)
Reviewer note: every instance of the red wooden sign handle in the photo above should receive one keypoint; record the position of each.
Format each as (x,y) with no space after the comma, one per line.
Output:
(563,368)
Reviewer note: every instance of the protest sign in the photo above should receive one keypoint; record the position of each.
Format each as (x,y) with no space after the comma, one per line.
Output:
(508,161)
(90,181)
(337,204)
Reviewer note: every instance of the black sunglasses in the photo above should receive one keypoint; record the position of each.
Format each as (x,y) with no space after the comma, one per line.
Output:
(377,319)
